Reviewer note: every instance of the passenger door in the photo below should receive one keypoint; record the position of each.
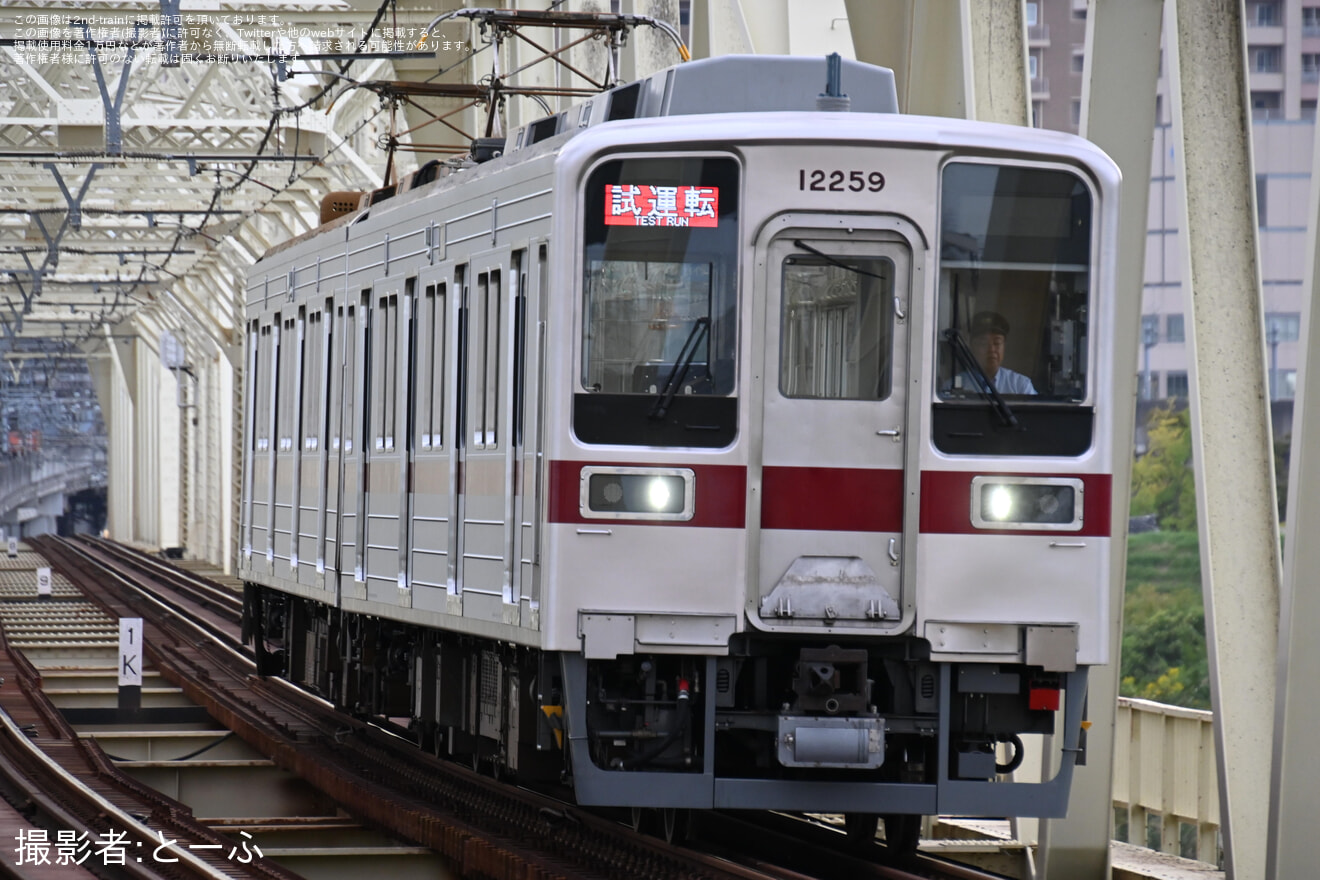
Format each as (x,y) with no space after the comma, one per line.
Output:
(483,566)
(351,530)
(386,449)
(430,492)
(834,418)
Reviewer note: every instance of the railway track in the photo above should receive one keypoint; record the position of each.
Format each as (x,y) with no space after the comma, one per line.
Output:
(482,827)
(64,805)
(219,608)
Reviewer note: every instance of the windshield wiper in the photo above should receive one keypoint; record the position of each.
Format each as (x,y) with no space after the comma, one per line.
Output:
(665,395)
(961,351)
(836,262)
(963,354)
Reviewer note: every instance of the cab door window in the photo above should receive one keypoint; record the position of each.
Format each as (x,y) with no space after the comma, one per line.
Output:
(836,333)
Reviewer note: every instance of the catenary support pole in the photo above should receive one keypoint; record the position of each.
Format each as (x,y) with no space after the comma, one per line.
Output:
(1231,438)
(922,42)
(1296,773)
(959,58)
(1118,114)
(997,38)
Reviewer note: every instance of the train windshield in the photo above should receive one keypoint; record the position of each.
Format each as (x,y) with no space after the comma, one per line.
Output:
(659,301)
(1014,258)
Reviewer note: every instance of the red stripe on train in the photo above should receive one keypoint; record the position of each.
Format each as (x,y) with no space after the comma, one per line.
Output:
(832,499)
(720,502)
(827,499)
(946,505)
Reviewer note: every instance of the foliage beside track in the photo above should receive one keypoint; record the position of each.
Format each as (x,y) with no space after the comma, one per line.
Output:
(1164,650)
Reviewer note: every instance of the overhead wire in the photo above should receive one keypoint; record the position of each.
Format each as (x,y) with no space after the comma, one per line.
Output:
(335,90)
(185,230)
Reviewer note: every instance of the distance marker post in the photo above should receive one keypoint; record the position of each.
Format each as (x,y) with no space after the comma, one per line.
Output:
(130,664)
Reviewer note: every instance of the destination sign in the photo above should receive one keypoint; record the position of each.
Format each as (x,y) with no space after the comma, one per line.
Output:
(630,204)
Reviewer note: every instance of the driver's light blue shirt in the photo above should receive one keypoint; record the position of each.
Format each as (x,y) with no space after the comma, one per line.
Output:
(1006,381)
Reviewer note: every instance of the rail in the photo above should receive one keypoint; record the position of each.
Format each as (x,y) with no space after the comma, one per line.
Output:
(1165,792)
(485,828)
(1166,785)
(75,807)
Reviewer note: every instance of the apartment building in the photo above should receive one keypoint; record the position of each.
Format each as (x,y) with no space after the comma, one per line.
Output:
(1283,59)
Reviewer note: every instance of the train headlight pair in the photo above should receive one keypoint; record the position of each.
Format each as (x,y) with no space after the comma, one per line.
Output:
(637,493)
(1048,503)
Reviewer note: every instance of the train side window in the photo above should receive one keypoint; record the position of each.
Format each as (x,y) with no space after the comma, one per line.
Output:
(376,345)
(298,386)
(279,342)
(494,309)
(476,340)
(1014,307)
(431,361)
(261,389)
(421,367)
(352,413)
(836,328)
(462,335)
(531,406)
(313,346)
(406,418)
(484,363)
(325,419)
(389,388)
(286,400)
(518,282)
(384,370)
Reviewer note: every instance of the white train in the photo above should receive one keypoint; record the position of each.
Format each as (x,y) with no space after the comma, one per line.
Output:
(703,447)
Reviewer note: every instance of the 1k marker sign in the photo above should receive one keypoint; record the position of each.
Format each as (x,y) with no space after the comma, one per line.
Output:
(130,652)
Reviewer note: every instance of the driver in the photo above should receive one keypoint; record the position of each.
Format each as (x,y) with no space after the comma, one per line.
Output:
(989,334)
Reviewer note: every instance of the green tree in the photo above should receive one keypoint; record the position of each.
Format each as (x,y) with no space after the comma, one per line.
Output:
(1164,651)
(1164,656)
(1168,688)
(1162,481)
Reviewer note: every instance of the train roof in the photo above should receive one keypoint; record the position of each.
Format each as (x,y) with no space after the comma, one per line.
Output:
(726,84)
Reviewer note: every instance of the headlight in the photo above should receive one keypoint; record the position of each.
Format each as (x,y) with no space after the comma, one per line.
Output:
(1049,503)
(637,493)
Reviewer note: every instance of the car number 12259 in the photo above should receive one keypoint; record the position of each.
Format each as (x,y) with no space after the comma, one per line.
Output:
(817,180)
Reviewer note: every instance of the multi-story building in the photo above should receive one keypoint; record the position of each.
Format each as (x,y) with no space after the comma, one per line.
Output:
(1283,59)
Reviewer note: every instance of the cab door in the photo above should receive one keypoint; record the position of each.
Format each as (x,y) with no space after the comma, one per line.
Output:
(834,427)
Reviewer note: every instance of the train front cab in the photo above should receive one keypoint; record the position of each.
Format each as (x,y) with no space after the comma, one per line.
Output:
(816,568)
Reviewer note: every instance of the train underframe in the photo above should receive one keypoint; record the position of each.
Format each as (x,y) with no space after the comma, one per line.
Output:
(862,727)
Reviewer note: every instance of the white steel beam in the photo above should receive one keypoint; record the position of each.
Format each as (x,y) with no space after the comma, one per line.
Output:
(1122,57)
(720,27)
(997,35)
(923,43)
(306,14)
(1232,453)
(113,263)
(961,58)
(1296,773)
(116,385)
(191,111)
